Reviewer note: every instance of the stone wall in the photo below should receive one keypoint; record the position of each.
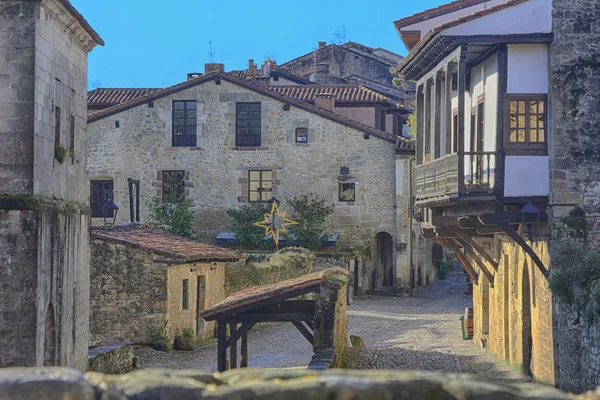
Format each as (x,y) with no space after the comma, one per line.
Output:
(287,264)
(25,384)
(519,298)
(364,115)
(111,358)
(134,291)
(575,169)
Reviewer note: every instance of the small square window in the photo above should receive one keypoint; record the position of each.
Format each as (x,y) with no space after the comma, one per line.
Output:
(261,186)
(173,183)
(301,135)
(347,192)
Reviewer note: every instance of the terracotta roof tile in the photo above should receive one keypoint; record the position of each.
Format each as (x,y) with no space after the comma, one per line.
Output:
(259,293)
(342,93)
(436,12)
(114,96)
(165,243)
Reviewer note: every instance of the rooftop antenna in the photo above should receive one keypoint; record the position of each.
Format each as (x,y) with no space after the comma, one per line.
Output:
(340,35)
(211,53)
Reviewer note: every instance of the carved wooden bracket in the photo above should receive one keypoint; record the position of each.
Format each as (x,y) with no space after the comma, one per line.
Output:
(512,233)
(476,246)
(462,258)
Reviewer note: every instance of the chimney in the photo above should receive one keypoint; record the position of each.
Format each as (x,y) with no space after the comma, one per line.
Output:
(321,75)
(251,68)
(322,44)
(325,101)
(213,67)
(192,75)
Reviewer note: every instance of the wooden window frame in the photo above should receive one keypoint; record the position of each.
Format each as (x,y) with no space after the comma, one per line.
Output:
(185,295)
(340,188)
(179,188)
(108,195)
(480,123)
(260,190)
(455,131)
(247,139)
(526,148)
(184,135)
(306,131)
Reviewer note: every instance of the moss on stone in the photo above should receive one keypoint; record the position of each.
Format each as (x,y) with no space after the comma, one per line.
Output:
(37,203)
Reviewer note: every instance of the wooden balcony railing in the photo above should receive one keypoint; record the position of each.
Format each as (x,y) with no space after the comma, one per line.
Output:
(439,179)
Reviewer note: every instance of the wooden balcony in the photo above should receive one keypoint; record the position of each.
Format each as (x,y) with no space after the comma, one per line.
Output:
(439,181)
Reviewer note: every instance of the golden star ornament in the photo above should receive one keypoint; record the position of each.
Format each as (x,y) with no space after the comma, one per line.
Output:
(275,223)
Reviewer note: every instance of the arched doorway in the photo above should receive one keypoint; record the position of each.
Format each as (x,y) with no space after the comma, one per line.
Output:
(527,340)
(385,261)
(50,338)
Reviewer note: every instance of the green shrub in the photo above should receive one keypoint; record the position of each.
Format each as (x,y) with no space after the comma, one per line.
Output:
(161,338)
(186,341)
(574,265)
(173,214)
(311,213)
(241,222)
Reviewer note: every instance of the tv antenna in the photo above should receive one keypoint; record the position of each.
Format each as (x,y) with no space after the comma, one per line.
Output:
(340,35)
(211,53)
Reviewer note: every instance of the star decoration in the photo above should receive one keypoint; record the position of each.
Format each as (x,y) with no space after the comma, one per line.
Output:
(275,223)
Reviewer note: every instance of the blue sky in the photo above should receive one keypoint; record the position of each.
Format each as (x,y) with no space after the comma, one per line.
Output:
(155,43)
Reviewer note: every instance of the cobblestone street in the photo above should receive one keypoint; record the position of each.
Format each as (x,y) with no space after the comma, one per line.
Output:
(420,332)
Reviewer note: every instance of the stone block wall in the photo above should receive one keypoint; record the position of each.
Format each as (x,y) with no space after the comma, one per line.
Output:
(519,298)
(111,358)
(364,115)
(575,169)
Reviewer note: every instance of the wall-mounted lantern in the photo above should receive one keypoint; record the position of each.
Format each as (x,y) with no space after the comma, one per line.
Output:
(110,209)
(531,217)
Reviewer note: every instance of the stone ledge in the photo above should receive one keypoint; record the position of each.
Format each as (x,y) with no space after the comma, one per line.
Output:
(157,384)
(36,203)
(111,358)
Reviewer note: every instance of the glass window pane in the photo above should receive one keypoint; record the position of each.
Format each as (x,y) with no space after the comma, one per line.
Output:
(533,107)
(533,120)
(254,175)
(191,105)
(191,114)
(242,106)
(179,105)
(513,136)
(242,130)
(513,122)
(254,106)
(254,185)
(179,114)
(253,196)
(541,136)
(541,122)
(242,115)
(254,131)
(521,121)
(542,107)
(347,192)
(513,107)
(521,136)
(533,136)
(521,107)
(267,175)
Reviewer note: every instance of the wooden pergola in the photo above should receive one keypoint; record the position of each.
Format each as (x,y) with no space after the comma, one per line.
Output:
(269,303)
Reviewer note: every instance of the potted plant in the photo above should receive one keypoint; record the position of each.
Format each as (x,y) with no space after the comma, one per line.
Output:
(60,153)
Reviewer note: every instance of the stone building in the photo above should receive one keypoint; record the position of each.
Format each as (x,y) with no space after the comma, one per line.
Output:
(44,211)
(506,143)
(223,141)
(142,277)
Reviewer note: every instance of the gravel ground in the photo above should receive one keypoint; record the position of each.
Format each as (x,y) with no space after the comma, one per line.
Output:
(420,332)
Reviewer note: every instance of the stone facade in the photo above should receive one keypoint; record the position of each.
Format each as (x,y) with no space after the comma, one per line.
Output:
(44,216)
(133,291)
(217,172)
(574,161)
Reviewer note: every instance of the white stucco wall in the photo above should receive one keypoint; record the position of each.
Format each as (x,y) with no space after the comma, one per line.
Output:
(427,25)
(528,68)
(526,176)
(484,81)
(533,16)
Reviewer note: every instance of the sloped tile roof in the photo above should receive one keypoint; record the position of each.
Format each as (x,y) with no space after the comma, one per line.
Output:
(164,243)
(342,93)
(265,292)
(436,12)
(114,96)
(402,143)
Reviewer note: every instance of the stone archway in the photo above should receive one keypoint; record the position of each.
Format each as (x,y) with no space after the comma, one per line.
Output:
(50,338)
(385,260)
(526,338)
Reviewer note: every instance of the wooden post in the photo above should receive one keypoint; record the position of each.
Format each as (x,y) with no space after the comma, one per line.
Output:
(221,347)
(233,348)
(244,351)
(462,82)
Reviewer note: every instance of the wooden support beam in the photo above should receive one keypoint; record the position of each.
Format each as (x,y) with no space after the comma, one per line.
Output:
(512,217)
(221,346)
(460,256)
(234,336)
(470,251)
(442,221)
(269,317)
(476,246)
(468,222)
(304,331)
(233,347)
(489,230)
(512,233)
(244,351)
(310,325)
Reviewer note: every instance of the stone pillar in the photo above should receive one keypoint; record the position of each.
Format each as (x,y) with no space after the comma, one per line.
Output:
(330,323)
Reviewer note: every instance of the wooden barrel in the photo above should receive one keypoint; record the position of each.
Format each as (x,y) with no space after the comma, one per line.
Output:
(469,321)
